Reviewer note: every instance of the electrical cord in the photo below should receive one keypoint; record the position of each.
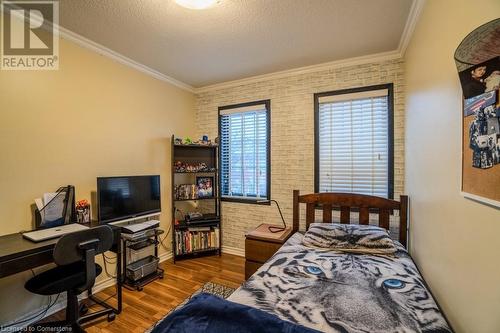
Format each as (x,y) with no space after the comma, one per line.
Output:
(104,258)
(165,237)
(39,315)
(109,258)
(108,261)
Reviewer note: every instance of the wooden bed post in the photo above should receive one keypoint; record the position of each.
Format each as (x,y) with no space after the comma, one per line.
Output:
(296,211)
(403,220)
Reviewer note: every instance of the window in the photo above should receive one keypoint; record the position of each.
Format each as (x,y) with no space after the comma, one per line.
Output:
(354,141)
(244,133)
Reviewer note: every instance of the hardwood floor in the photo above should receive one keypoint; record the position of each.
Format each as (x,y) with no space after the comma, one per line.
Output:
(142,309)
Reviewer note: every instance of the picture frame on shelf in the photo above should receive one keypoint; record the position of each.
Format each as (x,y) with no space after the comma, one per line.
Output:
(205,186)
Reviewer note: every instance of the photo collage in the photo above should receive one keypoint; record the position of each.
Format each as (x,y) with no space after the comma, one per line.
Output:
(481,85)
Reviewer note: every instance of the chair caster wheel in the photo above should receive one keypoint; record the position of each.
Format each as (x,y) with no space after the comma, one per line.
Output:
(111,317)
(139,288)
(83,309)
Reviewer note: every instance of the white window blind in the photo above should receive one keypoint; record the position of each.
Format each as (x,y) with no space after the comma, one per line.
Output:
(244,152)
(354,143)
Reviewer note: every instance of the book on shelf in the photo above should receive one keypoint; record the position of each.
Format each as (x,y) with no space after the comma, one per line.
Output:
(196,239)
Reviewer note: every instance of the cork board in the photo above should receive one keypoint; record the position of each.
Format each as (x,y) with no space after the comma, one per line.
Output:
(479,182)
(477,58)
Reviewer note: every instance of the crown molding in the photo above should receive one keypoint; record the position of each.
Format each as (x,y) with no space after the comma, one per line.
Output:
(102,50)
(411,23)
(384,56)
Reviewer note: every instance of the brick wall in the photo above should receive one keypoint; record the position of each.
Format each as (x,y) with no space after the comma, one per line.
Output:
(292,134)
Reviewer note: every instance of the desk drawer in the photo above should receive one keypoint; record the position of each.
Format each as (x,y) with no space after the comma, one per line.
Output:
(26,262)
(259,251)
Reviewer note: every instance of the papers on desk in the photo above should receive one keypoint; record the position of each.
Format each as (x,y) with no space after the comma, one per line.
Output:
(51,207)
(39,204)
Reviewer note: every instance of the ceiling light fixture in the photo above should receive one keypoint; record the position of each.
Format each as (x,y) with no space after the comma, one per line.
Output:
(196,4)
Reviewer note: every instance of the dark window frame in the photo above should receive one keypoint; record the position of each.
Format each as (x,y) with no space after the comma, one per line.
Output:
(267,103)
(390,117)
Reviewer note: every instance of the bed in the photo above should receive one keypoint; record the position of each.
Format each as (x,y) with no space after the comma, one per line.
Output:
(307,288)
(333,291)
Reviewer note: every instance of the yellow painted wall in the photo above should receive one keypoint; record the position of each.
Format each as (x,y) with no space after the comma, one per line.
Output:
(93,117)
(455,241)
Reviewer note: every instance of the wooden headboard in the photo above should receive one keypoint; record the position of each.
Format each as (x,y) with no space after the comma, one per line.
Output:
(348,202)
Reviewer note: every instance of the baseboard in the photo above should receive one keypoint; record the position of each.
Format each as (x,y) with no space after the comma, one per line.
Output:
(61,303)
(165,256)
(233,250)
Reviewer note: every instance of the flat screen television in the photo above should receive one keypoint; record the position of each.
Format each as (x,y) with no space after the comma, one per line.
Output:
(121,198)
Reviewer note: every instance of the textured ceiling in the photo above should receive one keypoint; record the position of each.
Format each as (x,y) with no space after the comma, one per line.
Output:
(235,39)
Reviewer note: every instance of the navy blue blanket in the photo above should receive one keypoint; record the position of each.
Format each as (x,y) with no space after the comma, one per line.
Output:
(211,314)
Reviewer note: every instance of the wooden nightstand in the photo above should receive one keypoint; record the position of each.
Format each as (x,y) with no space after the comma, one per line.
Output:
(260,245)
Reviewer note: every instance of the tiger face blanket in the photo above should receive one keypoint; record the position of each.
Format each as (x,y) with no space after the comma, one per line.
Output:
(343,292)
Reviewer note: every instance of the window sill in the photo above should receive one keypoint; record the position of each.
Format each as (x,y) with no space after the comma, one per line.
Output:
(246,201)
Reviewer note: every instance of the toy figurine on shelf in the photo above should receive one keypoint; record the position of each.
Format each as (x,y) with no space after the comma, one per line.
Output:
(193,192)
(180,167)
(205,141)
(178,141)
(188,141)
(192,167)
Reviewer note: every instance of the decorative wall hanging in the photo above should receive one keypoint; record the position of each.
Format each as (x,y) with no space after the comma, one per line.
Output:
(478,62)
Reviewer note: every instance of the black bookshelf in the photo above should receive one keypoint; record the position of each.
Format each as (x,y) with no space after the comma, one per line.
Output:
(201,237)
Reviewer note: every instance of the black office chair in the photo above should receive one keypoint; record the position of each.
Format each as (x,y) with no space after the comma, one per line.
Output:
(76,271)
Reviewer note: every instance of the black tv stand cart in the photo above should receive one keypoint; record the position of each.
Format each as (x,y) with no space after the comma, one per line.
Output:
(139,273)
